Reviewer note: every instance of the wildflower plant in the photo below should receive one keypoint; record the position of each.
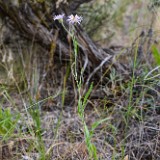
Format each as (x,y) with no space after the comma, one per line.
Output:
(82,99)
(72,21)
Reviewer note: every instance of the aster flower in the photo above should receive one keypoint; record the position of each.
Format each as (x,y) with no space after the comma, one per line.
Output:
(58,17)
(74,19)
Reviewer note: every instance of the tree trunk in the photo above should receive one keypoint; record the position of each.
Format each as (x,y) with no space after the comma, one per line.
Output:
(34,22)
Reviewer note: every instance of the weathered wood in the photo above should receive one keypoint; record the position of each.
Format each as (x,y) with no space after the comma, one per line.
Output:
(76,3)
(26,19)
(35,22)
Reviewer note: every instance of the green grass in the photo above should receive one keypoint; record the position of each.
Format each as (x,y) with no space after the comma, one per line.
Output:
(8,123)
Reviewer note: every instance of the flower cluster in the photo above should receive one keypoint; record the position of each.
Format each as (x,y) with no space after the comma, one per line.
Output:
(71,19)
(74,19)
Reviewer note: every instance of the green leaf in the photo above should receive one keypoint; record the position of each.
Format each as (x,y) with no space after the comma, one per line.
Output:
(156,54)
(96,124)
(87,95)
(94,151)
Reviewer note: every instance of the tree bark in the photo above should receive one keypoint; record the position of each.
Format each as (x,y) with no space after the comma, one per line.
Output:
(35,21)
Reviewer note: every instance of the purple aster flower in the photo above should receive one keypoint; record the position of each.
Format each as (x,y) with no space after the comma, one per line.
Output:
(74,19)
(59,17)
